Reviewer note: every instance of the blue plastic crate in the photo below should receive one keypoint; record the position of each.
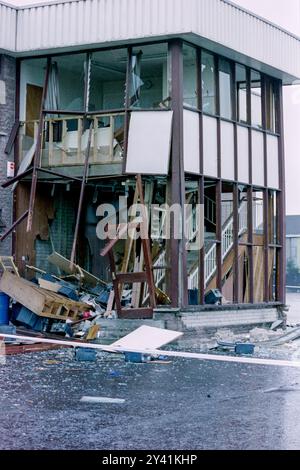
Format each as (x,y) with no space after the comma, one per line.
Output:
(136,357)
(85,354)
(243,348)
(9,330)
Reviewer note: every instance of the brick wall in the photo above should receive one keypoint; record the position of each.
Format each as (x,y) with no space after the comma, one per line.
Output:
(7,118)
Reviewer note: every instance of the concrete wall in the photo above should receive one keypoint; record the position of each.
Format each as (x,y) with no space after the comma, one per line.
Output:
(7,118)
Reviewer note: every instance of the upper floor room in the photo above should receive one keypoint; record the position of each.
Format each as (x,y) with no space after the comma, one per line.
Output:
(110,61)
(219,25)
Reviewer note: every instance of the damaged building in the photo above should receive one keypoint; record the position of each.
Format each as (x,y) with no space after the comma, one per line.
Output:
(186,94)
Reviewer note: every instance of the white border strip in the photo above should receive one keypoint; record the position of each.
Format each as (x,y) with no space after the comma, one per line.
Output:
(158,352)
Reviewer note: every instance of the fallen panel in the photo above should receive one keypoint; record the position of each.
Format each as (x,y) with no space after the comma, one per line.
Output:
(147,337)
(102,400)
(25,163)
(149,143)
(66,266)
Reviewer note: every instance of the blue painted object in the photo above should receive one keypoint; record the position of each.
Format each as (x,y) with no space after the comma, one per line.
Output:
(4,309)
(193,296)
(243,348)
(69,292)
(29,319)
(136,358)
(213,297)
(9,330)
(85,354)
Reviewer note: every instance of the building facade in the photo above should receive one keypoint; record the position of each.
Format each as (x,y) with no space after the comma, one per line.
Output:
(186,93)
(293,250)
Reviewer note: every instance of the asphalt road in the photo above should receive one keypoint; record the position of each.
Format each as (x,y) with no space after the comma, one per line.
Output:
(186,404)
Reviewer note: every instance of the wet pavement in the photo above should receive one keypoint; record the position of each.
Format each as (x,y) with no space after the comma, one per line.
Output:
(186,404)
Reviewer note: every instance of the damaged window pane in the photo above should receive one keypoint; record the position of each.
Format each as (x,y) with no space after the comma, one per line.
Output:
(149,85)
(67,83)
(256,99)
(107,80)
(190,79)
(226,83)
(208,83)
(241,93)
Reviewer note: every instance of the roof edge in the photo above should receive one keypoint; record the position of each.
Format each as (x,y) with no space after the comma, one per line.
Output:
(228,2)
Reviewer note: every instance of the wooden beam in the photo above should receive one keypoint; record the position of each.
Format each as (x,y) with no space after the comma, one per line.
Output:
(82,191)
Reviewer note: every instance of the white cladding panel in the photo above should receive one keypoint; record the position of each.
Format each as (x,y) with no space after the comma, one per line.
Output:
(258,167)
(227,151)
(210,146)
(149,143)
(84,22)
(8,24)
(191,145)
(273,161)
(243,154)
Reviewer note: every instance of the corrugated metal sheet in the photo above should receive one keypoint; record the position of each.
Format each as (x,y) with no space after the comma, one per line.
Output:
(85,22)
(8,17)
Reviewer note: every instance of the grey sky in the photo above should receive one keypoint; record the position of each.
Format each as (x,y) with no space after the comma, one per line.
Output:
(286,14)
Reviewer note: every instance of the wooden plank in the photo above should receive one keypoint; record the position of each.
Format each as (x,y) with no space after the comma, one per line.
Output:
(65,265)
(20,291)
(48,285)
(130,278)
(136,313)
(40,301)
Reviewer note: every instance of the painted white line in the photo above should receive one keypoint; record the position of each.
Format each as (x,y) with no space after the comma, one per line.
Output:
(159,352)
(102,400)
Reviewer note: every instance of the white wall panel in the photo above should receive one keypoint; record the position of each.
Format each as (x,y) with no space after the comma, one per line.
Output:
(273,161)
(243,154)
(227,150)
(149,142)
(191,146)
(69,24)
(210,146)
(258,171)
(8,25)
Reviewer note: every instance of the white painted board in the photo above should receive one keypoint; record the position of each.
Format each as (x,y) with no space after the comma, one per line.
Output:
(147,337)
(149,142)
(258,166)
(243,154)
(273,161)
(191,146)
(227,150)
(210,147)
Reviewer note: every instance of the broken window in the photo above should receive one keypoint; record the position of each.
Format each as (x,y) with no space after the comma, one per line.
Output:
(190,79)
(208,83)
(241,93)
(149,77)
(107,80)
(225,84)
(271,105)
(256,99)
(67,82)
